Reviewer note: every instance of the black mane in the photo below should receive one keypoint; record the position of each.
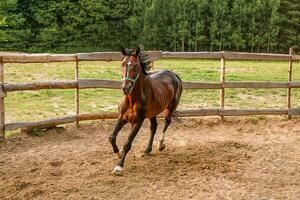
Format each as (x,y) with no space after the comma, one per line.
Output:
(144,59)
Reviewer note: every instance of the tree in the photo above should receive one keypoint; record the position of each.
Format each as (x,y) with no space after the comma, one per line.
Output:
(185,25)
(289,31)
(237,20)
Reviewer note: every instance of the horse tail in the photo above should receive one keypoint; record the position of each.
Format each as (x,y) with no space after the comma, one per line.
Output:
(176,115)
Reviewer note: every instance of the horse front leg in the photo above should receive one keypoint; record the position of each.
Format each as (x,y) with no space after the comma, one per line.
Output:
(135,128)
(112,138)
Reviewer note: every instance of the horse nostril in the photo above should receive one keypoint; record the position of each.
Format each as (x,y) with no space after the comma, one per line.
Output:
(125,90)
(129,88)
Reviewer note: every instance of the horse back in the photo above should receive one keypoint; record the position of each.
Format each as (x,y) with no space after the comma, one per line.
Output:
(164,86)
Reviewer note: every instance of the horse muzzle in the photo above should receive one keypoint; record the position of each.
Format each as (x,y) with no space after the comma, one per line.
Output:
(127,87)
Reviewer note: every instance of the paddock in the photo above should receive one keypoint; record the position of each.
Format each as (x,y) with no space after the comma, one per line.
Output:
(205,158)
(220,154)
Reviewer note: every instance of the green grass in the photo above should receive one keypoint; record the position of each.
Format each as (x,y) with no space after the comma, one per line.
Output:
(37,105)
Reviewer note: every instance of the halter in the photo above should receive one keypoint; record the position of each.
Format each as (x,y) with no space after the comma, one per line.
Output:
(130,79)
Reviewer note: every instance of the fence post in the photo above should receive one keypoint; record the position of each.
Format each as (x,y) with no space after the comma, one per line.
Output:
(77,92)
(289,80)
(2,105)
(222,80)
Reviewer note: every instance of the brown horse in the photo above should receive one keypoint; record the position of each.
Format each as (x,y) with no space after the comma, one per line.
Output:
(145,96)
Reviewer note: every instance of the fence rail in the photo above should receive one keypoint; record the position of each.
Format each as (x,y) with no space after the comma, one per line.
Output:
(182,113)
(78,83)
(112,84)
(153,56)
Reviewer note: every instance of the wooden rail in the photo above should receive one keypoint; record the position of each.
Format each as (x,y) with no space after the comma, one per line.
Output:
(78,84)
(153,56)
(182,113)
(113,84)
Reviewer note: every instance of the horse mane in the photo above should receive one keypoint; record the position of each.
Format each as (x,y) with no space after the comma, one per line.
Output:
(144,59)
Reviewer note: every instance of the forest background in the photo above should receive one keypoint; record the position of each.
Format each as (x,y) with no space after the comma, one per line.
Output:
(168,25)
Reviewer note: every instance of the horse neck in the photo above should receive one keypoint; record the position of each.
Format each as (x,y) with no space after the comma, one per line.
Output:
(138,90)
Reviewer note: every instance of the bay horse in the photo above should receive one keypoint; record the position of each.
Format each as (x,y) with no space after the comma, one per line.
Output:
(145,95)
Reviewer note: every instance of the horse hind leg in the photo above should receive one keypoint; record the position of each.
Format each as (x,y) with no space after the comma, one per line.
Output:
(162,145)
(153,129)
(170,112)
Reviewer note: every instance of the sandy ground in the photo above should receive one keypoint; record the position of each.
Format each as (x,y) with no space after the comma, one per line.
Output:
(241,158)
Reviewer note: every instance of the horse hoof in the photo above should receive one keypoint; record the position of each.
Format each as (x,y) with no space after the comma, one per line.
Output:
(117,171)
(145,154)
(161,147)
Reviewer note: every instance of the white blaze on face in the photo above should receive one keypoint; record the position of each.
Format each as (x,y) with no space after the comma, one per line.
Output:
(127,72)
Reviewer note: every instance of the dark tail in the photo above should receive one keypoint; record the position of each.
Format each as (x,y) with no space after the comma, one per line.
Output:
(176,115)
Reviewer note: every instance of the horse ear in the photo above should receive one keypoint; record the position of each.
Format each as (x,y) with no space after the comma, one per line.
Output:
(137,51)
(123,51)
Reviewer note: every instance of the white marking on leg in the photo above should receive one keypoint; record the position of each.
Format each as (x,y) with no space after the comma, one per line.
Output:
(162,146)
(118,171)
(163,137)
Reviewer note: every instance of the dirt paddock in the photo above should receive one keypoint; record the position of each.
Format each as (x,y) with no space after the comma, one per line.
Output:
(241,158)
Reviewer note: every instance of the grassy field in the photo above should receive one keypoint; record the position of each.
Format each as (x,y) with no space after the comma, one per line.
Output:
(37,105)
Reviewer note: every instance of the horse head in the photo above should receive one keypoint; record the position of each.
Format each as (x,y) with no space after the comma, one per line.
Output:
(131,69)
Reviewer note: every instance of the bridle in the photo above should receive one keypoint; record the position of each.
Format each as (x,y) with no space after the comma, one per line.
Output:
(127,75)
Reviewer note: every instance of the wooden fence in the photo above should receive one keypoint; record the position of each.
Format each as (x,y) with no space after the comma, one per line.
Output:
(78,84)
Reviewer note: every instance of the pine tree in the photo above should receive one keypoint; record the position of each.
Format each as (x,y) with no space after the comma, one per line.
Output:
(237,21)
(219,27)
(289,25)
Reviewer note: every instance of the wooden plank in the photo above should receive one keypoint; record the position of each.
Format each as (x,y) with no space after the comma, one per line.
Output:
(114,84)
(192,55)
(222,80)
(26,58)
(10,87)
(2,104)
(182,113)
(37,58)
(40,124)
(201,85)
(198,112)
(293,111)
(153,55)
(113,56)
(289,90)
(296,57)
(97,83)
(256,56)
(241,84)
(243,112)
(294,84)
(95,116)
(99,56)
(62,57)
(77,92)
